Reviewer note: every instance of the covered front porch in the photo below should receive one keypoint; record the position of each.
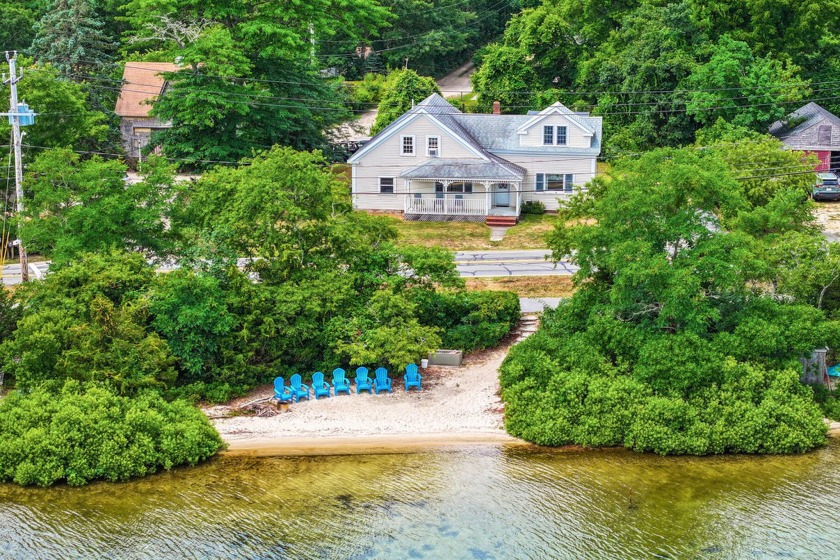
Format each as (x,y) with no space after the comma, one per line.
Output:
(443,191)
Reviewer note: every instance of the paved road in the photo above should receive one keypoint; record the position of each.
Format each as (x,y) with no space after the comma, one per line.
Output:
(471,264)
(481,264)
(11,272)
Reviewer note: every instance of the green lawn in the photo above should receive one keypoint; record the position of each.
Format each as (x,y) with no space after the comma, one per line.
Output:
(529,233)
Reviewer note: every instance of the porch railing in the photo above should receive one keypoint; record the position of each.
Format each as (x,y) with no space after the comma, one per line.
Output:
(448,204)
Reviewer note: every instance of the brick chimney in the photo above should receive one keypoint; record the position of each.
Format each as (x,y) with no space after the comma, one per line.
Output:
(497,108)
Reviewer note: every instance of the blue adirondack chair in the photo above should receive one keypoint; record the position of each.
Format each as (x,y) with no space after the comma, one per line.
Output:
(363,382)
(299,390)
(412,378)
(382,381)
(281,392)
(319,386)
(340,382)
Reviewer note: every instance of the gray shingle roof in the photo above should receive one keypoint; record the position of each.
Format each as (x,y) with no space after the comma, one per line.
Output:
(495,133)
(464,169)
(794,131)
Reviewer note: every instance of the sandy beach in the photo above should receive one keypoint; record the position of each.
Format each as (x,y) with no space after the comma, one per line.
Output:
(457,406)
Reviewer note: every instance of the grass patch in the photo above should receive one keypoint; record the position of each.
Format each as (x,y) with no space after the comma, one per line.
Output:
(529,233)
(525,286)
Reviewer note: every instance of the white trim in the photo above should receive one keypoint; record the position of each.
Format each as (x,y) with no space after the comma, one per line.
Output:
(567,152)
(594,168)
(413,145)
(429,137)
(389,131)
(554,109)
(354,197)
(393,185)
(545,182)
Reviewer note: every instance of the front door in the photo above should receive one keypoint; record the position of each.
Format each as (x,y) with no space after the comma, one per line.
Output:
(501,195)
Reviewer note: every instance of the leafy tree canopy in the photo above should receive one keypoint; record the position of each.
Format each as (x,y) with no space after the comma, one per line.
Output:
(67,122)
(683,336)
(78,206)
(406,89)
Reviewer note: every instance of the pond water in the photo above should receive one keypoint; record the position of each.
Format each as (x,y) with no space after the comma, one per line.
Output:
(472,503)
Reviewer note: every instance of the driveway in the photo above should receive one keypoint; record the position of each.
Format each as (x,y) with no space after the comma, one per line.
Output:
(454,83)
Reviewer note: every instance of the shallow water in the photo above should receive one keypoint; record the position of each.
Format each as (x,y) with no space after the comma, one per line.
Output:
(474,503)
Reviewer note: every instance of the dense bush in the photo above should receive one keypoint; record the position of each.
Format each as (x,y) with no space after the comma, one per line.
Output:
(85,432)
(683,336)
(828,401)
(533,207)
(9,314)
(469,320)
(563,390)
(368,92)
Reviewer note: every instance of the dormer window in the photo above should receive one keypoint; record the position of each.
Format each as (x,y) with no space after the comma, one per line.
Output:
(407,144)
(554,135)
(433,146)
(548,135)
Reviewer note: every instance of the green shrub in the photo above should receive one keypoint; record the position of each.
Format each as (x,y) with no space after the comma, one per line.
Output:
(470,320)
(533,207)
(86,432)
(9,314)
(828,401)
(367,92)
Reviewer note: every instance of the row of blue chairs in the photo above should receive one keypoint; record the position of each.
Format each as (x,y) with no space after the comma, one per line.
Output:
(341,384)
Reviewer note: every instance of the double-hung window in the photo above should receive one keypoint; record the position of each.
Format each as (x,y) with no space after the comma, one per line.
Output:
(386,185)
(407,145)
(562,182)
(555,135)
(433,146)
(548,135)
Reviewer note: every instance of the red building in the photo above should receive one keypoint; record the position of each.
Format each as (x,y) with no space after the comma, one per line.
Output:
(813,130)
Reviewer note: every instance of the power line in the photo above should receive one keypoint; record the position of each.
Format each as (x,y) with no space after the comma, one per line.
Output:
(559,92)
(281,98)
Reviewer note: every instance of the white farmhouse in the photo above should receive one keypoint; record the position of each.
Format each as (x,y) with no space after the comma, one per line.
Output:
(437,163)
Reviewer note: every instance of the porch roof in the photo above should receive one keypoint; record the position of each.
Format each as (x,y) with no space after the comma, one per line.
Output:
(465,169)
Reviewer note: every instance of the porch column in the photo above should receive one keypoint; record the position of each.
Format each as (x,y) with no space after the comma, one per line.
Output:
(487,196)
(518,187)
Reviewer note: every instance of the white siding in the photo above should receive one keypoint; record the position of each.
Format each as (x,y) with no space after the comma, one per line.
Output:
(385,160)
(581,167)
(574,135)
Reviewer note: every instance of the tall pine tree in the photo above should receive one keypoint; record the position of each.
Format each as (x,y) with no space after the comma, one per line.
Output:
(71,37)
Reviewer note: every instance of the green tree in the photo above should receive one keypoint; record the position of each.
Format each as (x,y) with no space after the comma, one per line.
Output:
(88,322)
(79,206)
(502,77)
(744,90)
(17,29)
(10,312)
(407,89)
(190,311)
(71,37)
(677,340)
(388,334)
(252,82)
(67,120)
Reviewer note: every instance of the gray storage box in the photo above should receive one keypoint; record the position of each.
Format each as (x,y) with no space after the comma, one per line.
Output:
(446,358)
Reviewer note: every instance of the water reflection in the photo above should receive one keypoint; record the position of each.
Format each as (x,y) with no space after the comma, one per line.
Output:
(487,502)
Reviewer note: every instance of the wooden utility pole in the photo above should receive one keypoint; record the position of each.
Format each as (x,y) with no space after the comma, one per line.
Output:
(16,141)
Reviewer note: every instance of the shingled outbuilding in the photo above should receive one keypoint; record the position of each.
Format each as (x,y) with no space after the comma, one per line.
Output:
(143,82)
(813,130)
